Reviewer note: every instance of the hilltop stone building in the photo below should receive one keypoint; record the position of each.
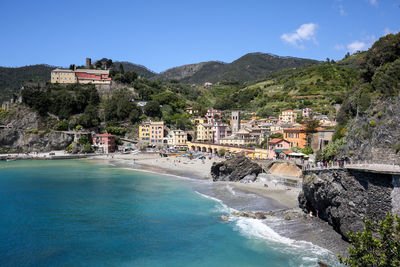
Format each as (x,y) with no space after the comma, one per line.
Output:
(82,76)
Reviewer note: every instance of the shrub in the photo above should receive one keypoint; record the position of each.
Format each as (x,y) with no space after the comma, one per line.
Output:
(69,148)
(87,149)
(84,140)
(372,123)
(377,245)
(78,127)
(379,114)
(116,130)
(276,135)
(307,150)
(221,152)
(61,126)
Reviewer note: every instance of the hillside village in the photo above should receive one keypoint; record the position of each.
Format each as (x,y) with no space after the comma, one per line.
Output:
(293,134)
(321,111)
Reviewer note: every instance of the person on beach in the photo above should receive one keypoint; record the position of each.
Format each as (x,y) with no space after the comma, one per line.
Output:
(311,214)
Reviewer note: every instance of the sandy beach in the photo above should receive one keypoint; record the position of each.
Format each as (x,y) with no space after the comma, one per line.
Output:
(300,227)
(200,169)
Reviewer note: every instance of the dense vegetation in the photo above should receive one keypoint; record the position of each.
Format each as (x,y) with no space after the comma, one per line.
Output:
(11,79)
(249,67)
(65,102)
(379,81)
(377,245)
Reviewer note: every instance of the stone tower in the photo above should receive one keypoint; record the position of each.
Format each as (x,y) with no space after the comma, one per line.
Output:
(235,122)
(88,62)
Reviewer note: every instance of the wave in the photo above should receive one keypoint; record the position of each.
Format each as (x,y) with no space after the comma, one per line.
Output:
(255,229)
(230,189)
(222,207)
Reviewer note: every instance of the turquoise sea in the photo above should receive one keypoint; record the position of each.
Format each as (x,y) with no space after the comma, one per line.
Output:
(85,213)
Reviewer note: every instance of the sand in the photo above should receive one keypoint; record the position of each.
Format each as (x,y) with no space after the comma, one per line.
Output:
(197,168)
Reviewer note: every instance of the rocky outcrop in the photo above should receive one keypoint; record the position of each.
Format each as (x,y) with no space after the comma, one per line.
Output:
(235,169)
(344,197)
(15,140)
(375,136)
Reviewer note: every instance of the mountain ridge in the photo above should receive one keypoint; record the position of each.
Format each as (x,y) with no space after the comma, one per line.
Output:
(251,66)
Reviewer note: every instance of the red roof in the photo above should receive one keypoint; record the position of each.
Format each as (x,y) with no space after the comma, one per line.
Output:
(105,135)
(277,140)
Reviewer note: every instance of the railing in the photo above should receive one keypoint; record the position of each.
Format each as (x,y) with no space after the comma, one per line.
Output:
(356,164)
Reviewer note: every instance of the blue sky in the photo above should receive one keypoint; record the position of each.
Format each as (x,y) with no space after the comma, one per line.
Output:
(165,34)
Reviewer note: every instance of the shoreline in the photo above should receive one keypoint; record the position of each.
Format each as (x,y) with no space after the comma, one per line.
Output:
(300,227)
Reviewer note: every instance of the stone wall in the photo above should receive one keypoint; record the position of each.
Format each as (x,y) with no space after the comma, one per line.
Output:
(342,197)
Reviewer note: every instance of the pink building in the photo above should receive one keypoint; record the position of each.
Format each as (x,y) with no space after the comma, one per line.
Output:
(220,130)
(306,112)
(277,145)
(212,115)
(106,142)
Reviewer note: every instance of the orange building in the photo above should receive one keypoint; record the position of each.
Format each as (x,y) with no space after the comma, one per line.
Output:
(296,136)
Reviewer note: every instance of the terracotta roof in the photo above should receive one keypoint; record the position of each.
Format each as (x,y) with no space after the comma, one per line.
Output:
(104,135)
(93,71)
(277,140)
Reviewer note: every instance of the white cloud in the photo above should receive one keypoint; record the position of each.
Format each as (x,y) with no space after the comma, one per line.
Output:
(373,2)
(339,47)
(341,10)
(386,31)
(305,32)
(356,46)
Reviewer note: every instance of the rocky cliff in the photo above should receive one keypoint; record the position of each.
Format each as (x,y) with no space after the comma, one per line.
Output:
(235,169)
(26,131)
(343,197)
(14,140)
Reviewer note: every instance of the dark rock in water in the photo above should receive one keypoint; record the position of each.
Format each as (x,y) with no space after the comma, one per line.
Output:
(224,218)
(260,215)
(235,169)
(322,264)
(287,218)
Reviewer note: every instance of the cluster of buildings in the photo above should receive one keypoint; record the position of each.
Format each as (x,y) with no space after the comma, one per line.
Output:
(82,76)
(215,129)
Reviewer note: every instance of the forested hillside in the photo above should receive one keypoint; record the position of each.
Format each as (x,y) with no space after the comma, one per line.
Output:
(369,120)
(249,67)
(11,79)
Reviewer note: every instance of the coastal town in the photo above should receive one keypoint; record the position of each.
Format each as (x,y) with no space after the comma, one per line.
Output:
(287,136)
(282,159)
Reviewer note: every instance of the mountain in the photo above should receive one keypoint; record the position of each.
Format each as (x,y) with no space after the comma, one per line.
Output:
(11,79)
(139,69)
(252,66)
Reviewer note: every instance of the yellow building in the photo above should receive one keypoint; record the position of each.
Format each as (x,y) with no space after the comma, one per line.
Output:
(198,120)
(288,116)
(204,132)
(63,76)
(152,132)
(82,76)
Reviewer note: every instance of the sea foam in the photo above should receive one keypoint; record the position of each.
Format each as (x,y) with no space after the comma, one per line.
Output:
(259,230)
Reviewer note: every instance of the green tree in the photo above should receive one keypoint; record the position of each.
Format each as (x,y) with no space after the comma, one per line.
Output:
(121,68)
(276,135)
(120,106)
(221,152)
(377,245)
(152,109)
(311,128)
